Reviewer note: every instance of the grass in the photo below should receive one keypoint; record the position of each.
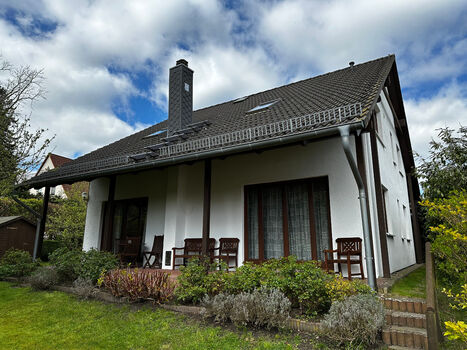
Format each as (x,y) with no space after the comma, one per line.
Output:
(413,285)
(54,320)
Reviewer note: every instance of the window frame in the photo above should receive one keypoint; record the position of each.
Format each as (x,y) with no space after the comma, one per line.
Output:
(285,234)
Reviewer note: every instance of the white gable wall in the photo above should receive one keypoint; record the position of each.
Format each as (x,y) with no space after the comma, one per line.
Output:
(393,178)
(54,191)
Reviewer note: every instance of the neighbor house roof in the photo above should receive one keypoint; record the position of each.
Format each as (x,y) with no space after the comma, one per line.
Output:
(4,220)
(341,97)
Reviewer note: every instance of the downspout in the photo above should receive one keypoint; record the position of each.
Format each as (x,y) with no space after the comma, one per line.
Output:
(370,267)
(38,224)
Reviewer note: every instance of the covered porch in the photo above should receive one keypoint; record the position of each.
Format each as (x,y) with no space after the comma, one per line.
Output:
(295,200)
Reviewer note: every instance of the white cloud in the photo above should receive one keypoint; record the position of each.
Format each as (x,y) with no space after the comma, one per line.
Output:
(447,109)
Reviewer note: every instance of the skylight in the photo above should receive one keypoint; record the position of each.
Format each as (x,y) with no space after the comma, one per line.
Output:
(263,106)
(240,99)
(156,133)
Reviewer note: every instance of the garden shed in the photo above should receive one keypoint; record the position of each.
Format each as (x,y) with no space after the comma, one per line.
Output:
(16,232)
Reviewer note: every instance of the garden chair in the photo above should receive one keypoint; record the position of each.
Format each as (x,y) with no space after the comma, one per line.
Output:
(349,251)
(191,249)
(155,252)
(228,251)
(128,249)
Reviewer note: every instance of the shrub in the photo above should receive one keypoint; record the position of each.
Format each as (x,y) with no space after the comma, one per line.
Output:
(355,321)
(48,247)
(260,308)
(138,284)
(339,288)
(43,278)
(95,262)
(16,263)
(84,288)
(89,265)
(67,263)
(449,238)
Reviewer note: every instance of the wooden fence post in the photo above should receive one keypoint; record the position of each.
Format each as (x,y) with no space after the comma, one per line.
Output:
(433,328)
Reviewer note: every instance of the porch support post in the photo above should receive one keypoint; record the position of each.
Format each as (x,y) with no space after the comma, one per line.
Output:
(106,242)
(370,267)
(206,206)
(45,207)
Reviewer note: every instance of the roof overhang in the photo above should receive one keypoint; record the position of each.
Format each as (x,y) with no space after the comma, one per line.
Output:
(187,158)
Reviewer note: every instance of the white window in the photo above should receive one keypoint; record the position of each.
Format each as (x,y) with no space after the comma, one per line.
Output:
(187,87)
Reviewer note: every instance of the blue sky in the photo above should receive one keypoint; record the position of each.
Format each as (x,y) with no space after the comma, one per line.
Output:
(106,62)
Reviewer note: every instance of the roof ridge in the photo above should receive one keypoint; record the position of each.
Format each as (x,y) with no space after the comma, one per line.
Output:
(298,81)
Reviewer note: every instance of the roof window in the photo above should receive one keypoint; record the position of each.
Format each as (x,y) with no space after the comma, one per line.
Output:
(263,106)
(158,132)
(240,99)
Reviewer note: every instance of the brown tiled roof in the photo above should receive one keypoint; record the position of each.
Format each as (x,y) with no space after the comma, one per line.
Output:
(360,84)
(59,160)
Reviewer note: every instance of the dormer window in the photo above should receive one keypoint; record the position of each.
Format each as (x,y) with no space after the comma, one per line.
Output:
(263,106)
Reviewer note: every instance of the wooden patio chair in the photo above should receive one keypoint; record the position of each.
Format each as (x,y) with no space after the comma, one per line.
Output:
(349,251)
(228,251)
(155,252)
(192,249)
(128,249)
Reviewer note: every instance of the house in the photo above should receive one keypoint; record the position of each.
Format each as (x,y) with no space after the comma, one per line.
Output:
(286,171)
(16,232)
(53,161)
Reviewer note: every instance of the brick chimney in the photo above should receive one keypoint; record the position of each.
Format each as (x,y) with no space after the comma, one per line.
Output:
(180,96)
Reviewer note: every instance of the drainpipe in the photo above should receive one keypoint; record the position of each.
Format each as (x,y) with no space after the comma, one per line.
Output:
(370,267)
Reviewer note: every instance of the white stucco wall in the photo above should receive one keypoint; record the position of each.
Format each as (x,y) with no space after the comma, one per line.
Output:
(393,178)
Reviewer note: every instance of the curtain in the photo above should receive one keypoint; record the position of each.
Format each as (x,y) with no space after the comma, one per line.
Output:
(320,204)
(252,212)
(272,222)
(298,220)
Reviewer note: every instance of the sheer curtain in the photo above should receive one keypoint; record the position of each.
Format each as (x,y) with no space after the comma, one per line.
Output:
(272,222)
(253,240)
(320,204)
(298,220)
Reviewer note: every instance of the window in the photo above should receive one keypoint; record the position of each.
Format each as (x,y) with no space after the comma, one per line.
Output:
(392,148)
(156,133)
(187,87)
(287,218)
(129,220)
(404,223)
(385,205)
(263,106)
(240,99)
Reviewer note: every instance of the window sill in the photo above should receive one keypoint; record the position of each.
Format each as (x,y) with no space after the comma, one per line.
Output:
(392,235)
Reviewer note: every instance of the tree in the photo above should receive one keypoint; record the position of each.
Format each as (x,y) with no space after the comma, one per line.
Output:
(445,170)
(67,218)
(21,149)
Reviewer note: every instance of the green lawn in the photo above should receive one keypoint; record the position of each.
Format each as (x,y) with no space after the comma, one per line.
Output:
(413,285)
(54,320)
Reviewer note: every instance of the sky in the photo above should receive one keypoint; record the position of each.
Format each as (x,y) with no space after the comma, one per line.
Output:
(106,62)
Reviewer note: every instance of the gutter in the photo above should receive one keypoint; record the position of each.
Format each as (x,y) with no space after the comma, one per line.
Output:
(220,152)
(370,267)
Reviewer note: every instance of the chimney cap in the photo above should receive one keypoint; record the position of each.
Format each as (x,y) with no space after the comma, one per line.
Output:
(351,63)
(182,61)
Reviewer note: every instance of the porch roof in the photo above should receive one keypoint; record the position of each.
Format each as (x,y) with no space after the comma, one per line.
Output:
(304,108)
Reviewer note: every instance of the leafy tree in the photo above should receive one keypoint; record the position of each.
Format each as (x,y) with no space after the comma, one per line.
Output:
(445,170)
(67,219)
(21,149)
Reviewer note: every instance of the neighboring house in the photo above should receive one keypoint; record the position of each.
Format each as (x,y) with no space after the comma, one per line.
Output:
(16,232)
(268,169)
(53,161)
